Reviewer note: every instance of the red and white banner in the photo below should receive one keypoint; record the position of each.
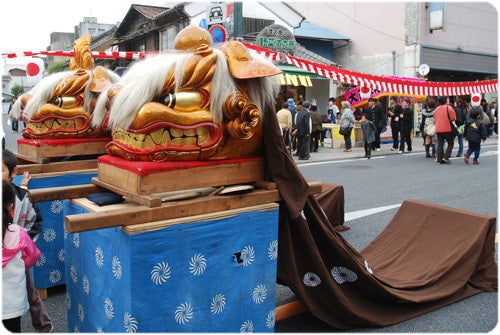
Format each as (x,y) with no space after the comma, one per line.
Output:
(95,54)
(408,86)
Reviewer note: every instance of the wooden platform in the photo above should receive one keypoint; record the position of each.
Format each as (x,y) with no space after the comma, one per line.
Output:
(128,213)
(145,178)
(45,151)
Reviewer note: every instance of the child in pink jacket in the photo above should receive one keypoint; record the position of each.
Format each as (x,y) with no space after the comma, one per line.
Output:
(19,254)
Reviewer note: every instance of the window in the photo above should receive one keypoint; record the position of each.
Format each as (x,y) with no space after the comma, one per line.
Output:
(167,38)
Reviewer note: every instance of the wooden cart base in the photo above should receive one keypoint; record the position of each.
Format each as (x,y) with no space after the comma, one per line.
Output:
(45,151)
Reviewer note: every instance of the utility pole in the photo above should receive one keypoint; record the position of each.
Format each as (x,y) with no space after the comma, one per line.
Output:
(238,20)
(393,62)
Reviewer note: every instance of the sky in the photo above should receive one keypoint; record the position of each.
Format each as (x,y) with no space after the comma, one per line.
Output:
(25,25)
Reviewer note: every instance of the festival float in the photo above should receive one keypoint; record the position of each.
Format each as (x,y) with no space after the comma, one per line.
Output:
(208,210)
(59,147)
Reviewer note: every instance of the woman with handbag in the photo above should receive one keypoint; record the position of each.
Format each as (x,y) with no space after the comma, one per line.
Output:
(346,124)
(444,115)
(428,128)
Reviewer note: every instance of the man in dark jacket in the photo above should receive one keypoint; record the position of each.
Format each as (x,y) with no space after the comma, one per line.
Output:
(394,110)
(317,127)
(376,114)
(304,131)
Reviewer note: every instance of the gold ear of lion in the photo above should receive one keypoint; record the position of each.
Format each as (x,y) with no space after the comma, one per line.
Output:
(243,66)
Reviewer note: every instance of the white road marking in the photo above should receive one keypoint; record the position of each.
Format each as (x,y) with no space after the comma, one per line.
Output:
(367,212)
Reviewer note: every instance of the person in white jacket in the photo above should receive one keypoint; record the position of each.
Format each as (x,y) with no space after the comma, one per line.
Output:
(19,254)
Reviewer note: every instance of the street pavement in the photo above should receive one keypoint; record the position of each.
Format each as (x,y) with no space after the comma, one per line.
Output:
(303,322)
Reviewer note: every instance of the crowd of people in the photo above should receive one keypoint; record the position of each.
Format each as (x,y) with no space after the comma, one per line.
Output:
(303,132)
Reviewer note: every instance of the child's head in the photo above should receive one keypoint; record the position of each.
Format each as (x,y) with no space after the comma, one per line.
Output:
(363,117)
(475,112)
(9,165)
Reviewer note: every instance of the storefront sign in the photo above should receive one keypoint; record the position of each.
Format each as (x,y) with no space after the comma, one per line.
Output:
(276,37)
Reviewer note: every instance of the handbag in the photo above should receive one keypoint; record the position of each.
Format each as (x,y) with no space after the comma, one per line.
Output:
(453,125)
(343,130)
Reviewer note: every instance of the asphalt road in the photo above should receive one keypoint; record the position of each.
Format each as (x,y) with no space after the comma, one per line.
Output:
(374,186)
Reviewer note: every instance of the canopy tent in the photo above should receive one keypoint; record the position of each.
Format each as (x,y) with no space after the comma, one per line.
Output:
(296,76)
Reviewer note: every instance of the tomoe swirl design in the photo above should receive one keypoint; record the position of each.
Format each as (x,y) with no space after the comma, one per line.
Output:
(218,303)
(259,294)
(108,308)
(311,279)
(184,313)
(247,255)
(99,257)
(247,327)
(130,323)
(160,273)
(272,251)
(342,274)
(270,319)
(197,265)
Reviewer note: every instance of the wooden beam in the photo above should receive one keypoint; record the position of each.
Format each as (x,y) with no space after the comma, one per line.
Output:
(146,200)
(68,166)
(288,310)
(142,214)
(63,192)
(198,206)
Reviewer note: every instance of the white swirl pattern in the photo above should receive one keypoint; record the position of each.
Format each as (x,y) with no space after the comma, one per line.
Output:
(183,313)
(218,303)
(342,274)
(41,261)
(49,235)
(271,319)
(73,273)
(311,279)
(55,276)
(259,294)
(86,284)
(99,257)
(247,327)
(81,312)
(197,265)
(56,206)
(160,273)
(60,255)
(248,255)
(130,323)
(116,267)
(108,308)
(76,240)
(272,251)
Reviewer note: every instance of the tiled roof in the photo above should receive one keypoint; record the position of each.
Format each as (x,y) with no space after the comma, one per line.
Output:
(149,11)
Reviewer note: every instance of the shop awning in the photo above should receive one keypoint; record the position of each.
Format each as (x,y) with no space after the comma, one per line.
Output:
(295,76)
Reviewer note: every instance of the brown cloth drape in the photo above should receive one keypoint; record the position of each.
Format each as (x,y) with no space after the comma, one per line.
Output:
(427,257)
